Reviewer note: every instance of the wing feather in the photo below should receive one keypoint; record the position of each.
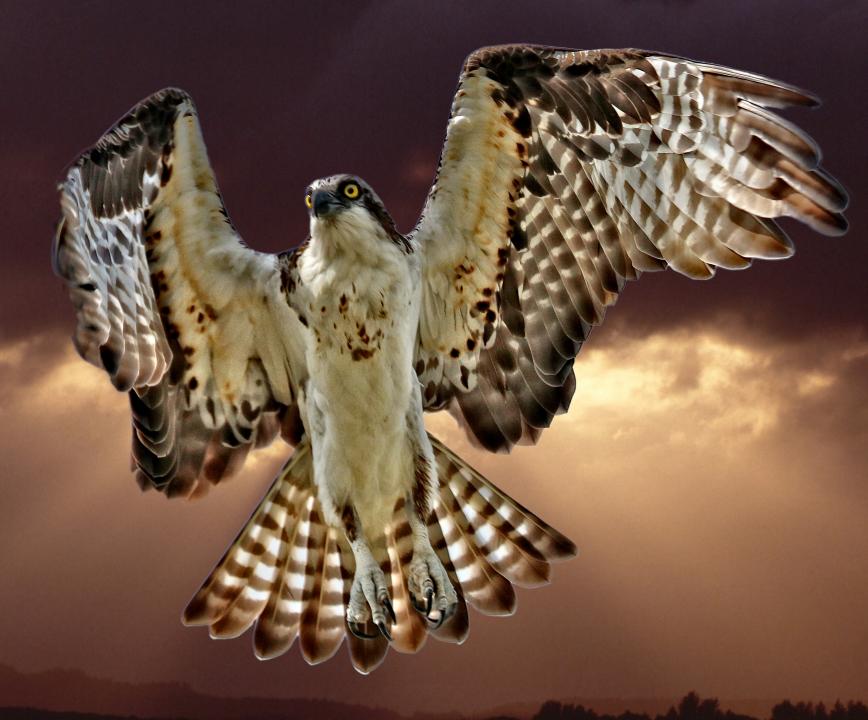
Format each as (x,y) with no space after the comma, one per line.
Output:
(170,303)
(566,173)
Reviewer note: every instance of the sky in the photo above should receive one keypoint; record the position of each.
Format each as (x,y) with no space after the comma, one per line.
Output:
(712,469)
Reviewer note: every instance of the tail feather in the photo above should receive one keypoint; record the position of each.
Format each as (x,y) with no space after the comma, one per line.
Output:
(290,574)
(322,623)
(504,555)
(409,632)
(456,629)
(238,590)
(533,536)
(481,585)
(366,655)
(241,581)
(314,568)
(277,625)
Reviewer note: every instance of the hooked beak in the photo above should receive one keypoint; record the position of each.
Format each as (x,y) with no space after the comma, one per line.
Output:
(325,204)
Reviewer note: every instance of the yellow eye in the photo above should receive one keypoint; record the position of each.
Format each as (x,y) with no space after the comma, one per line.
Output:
(308,201)
(351,190)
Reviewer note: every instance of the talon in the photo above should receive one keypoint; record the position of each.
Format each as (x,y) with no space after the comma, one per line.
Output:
(369,604)
(384,630)
(432,592)
(442,616)
(448,612)
(356,629)
(390,611)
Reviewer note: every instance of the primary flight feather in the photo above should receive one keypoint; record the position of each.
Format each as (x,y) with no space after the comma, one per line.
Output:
(564,174)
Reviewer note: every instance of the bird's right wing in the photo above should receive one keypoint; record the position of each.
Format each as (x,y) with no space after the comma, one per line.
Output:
(171,304)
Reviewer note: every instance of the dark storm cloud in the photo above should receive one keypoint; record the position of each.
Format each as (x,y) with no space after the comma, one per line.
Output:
(290,93)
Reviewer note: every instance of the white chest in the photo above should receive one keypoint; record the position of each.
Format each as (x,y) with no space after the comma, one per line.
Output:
(361,309)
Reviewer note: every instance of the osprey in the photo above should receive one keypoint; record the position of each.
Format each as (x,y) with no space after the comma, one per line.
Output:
(564,174)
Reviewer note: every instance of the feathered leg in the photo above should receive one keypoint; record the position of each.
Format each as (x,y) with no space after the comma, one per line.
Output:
(369,609)
(431,591)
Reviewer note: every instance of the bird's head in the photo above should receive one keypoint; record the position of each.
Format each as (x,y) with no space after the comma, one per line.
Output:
(345,206)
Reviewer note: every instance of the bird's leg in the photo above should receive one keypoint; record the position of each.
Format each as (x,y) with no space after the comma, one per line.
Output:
(369,594)
(369,597)
(431,591)
(430,588)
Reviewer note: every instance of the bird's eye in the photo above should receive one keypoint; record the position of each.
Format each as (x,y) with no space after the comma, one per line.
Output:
(351,190)
(308,201)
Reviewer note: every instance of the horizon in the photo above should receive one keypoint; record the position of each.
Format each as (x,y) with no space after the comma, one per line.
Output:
(656,707)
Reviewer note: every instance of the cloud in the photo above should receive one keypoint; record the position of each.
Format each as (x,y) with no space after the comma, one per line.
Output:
(714,481)
(711,475)
(719,381)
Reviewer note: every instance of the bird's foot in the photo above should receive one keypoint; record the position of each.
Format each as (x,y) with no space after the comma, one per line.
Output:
(431,591)
(369,602)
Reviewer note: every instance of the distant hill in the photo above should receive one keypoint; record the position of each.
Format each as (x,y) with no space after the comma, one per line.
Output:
(73,695)
(72,690)
(36,714)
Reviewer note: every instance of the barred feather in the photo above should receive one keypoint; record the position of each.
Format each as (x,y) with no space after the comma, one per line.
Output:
(566,173)
(289,574)
(322,622)
(170,303)
(273,543)
(410,631)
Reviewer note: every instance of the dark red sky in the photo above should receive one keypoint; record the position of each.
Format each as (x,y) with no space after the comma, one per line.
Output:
(712,469)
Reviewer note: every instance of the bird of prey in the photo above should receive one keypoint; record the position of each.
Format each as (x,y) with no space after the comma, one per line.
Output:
(564,174)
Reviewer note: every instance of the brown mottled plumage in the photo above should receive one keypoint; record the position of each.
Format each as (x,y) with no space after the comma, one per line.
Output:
(603,164)
(564,174)
(289,574)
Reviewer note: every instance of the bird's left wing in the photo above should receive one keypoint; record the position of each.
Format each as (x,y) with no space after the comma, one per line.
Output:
(566,173)
(171,304)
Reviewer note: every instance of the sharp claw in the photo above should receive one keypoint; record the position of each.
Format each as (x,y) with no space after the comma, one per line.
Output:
(356,629)
(385,631)
(447,613)
(429,596)
(387,606)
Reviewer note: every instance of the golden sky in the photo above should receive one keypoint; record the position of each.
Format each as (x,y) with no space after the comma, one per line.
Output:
(712,477)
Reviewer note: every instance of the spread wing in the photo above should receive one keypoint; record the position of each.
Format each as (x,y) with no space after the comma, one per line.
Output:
(566,173)
(171,304)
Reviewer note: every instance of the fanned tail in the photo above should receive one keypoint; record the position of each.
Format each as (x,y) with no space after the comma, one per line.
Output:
(290,574)
(285,572)
(490,540)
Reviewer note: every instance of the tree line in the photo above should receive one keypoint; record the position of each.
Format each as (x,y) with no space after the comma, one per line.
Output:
(692,707)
